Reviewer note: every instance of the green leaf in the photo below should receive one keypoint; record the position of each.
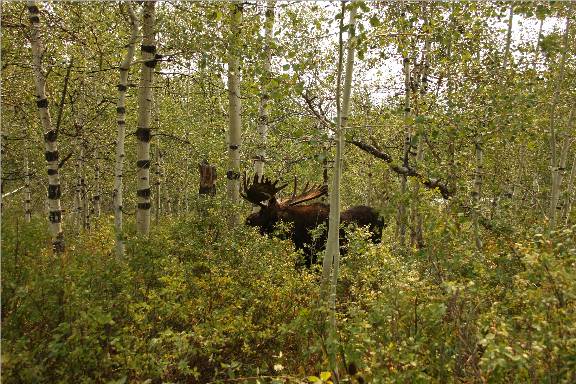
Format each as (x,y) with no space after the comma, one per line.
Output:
(299,87)
(364,7)
(121,380)
(325,375)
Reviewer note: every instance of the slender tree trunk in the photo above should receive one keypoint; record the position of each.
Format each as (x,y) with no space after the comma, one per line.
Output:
(234,110)
(508,37)
(402,214)
(149,59)
(28,193)
(369,182)
(555,190)
(121,131)
(331,262)
(78,192)
(158,182)
(537,47)
(569,193)
(50,135)
(260,157)
(451,182)
(84,188)
(96,195)
(417,230)
(325,167)
(477,192)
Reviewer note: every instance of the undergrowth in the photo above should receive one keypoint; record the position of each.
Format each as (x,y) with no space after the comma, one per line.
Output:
(196,302)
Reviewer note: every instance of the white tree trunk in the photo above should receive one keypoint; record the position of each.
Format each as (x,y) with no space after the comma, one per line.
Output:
(158,182)
(569,193)
(143,134)
(477,192)
(263,117)
(83,189)
(78,194)
(27,193)
(556,178)
(96,195)
(421,80)
(234,109)
(402,216)
(331,262)
(537,47)
(508,37)
(121,131)
(50,135)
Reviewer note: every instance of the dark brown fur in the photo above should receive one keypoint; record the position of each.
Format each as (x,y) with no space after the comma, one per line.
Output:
(304,218)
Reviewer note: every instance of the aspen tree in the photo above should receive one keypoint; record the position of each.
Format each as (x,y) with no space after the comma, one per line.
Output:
(158,182)
(569,193)
(234,109)
(263,107)
(27,192)
(477,192)
(84,204)
(554,162)
(421,81)
(121,131)
(149,61)
(50,135)
(331,262)
(96,194)
(78,192)
(402,215)
(508,36)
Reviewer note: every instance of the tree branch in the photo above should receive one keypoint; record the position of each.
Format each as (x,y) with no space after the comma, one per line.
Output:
(405,170)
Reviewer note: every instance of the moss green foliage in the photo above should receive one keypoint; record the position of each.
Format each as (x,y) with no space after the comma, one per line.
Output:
(197,302)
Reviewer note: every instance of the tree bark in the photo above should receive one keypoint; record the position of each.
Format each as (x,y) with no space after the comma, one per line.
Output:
(96,195)
(263,117)
(234,110)
(508,37)
(331,262)
(477,192)
(149,61)
(207,179)
(569,193)
(402,214)
(537,47)
(158,182)
(121,131)
(421,80)
(556,178)
(50,135)
(28,193)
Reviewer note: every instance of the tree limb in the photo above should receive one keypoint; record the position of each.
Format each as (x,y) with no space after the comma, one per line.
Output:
(13,192)
(64,89)
(405,170)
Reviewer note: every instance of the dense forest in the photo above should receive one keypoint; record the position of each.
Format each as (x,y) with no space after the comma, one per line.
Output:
(288,191)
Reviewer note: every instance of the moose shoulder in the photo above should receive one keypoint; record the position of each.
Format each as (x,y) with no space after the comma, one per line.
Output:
(302,217)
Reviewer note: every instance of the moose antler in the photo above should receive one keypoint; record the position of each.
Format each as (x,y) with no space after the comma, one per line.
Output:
(307,194)
(260,190)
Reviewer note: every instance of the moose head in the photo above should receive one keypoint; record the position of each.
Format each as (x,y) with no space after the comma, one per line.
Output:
(303,217)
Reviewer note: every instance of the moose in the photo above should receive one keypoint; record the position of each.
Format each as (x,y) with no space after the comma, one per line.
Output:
(303,217)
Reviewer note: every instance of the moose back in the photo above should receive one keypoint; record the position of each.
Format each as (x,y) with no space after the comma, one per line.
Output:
(303,218)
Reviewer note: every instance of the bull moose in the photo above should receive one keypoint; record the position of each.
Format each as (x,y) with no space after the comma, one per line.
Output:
(302,217)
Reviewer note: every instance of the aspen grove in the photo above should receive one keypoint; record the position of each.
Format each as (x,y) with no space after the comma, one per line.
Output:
(276,191)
